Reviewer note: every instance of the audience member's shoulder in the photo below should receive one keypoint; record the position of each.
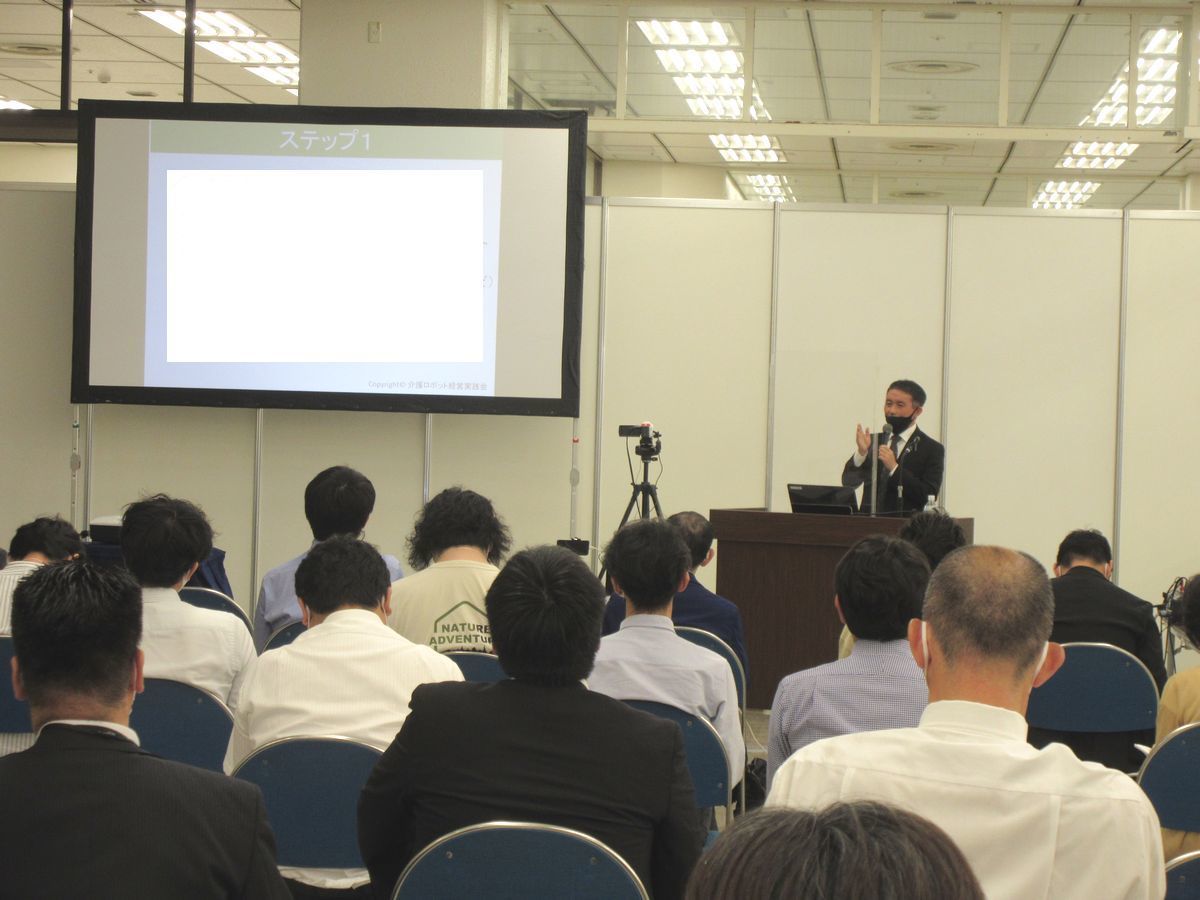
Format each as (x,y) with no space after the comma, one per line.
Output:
(1076,777)
(437,693)
(633,722)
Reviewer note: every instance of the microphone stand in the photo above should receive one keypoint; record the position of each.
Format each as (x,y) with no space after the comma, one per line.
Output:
(874,473)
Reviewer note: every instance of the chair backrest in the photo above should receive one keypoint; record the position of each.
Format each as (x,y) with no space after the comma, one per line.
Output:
(706,759)
(310,786)
(14,714)
(518,860)
(1183,877)
(207,598)
(710,641)
(284,636)
(1100,688)
(1168,776)
(182,722)
(484,667)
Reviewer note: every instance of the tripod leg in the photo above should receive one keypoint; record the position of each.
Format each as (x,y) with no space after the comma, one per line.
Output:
(629,508)
(653,491)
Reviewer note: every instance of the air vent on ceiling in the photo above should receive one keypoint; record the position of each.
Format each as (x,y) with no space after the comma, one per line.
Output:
(915,195)
(932,67)
(939,15)
(28,48)
(142,94)
(924,147)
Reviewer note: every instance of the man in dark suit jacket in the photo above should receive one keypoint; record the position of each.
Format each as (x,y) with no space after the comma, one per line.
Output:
(695,606)
(539,747)
(1089,607)
(85,812)
(909,467)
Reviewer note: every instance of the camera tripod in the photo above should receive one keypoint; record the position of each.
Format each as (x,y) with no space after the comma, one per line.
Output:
(645,492)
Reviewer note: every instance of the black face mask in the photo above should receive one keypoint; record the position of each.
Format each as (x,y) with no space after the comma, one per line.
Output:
(899,423)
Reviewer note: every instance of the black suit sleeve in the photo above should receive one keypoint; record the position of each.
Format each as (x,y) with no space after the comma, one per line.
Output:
(384,827)
(924,479)
(852,475)
(1149,647)
(262,877)
(678,836)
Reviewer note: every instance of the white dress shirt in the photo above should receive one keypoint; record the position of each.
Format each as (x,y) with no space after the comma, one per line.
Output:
(205,648)
(10,576)
(860,458)
(442,606)
(1032,823)
(647,660)
(349,675)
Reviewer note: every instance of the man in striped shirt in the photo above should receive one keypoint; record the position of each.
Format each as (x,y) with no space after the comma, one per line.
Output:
(879,584)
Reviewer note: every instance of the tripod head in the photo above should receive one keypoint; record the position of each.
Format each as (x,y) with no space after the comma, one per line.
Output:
(649,444)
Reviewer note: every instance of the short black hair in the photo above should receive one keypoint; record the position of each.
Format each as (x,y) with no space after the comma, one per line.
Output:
(853,851)
(53,537)
(162,537)
(911,388)
(935,534)
(341,570)
(457,517)
(545,609)
(880,584)
(339,500)
(1084,544)
(76,627)
(1190,601)
(647,558)
(697,533)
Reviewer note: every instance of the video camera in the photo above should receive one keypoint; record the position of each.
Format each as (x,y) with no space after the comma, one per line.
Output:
(649,444)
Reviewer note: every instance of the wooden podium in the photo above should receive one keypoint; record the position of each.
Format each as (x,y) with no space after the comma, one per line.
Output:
(778,569)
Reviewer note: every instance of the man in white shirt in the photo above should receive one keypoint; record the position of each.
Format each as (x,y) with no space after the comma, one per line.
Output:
(348,674)
(649,563)
(338,500)
(163,541)
(1032,823)
(456,544)
(44,540)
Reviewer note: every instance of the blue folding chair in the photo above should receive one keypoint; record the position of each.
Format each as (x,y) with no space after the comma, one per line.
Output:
(14,714)
(518,861)
(1100,688)
(281,637)
(706,760)
(310,786)
(710,641)
(207,598)
(1169,778)
(181,722)
(482,667)
(1183,877)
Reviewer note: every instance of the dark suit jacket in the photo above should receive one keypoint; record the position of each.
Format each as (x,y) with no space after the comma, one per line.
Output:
(922,464)
(695,607)
(1089,607)
(87,814)
(470,753)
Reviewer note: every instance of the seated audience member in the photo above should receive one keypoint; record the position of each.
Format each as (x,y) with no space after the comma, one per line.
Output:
(648,562)
(695,606)
(163,541)
(1089,607)
(857,851)
(538,747)
(339,500)
(85,812)
(879,585)
(1180,705)
(348,675)
(935,534)
(44,540)
(1032,823)
(456,543)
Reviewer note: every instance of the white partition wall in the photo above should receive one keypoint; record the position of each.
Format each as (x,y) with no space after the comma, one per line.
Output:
(678,329)
(1160,488)
(686,340)
(860,305)
(1032,372)
(35,309)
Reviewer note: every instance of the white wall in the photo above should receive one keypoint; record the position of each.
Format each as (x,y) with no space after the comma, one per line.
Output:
(1031,423)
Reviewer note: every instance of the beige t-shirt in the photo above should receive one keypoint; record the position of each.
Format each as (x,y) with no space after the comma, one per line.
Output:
(442,606)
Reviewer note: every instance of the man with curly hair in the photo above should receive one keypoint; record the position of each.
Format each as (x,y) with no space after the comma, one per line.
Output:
(456,543)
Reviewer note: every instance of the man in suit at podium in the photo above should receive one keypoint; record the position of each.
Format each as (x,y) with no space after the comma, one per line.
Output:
(909,463)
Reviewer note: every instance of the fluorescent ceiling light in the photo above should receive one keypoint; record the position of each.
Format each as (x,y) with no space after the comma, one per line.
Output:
(208,24)
(262,52)
(281,75)
(721,86)
(13,104)
(700,61)
(743,141)
(686,34)
(1065,195)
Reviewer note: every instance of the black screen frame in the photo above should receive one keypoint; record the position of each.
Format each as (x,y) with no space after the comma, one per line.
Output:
(565,405)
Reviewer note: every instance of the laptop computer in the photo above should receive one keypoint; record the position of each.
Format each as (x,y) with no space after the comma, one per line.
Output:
(823,499)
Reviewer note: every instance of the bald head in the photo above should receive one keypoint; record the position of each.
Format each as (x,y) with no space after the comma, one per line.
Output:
(990,605)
